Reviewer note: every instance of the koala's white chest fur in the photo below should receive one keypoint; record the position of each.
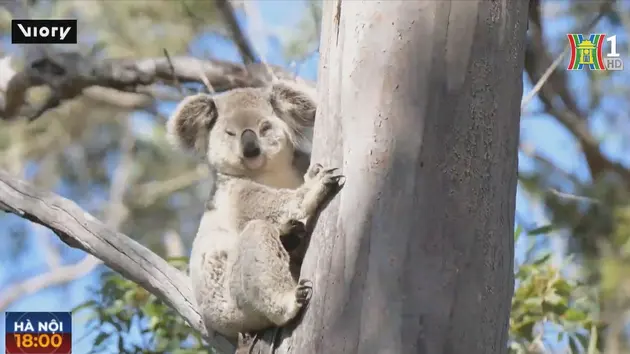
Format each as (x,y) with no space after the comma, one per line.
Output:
(285,178)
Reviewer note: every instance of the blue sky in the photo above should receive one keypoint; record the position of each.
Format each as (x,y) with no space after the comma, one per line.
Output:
(549,138)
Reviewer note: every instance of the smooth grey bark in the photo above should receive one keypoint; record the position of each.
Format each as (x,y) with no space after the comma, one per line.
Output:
(420,106)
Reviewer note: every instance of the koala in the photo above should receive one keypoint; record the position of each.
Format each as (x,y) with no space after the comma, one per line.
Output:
(242,263)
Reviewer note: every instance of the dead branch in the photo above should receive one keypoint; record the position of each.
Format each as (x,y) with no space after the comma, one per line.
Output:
(236,33)
(68,74)
(122,100)
(79,229)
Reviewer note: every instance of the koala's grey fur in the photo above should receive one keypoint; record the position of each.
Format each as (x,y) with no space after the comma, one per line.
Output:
(242,273)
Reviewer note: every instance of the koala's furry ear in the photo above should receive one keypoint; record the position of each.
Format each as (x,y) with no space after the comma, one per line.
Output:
(294,103)
(189,125)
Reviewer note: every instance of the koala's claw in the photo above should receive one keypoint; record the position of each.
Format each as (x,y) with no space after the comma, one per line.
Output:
(327,176)
(304,292)
(317,170)
(338,180)
(333,183)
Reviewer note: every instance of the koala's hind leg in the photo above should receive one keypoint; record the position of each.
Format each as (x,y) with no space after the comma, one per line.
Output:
(262,280)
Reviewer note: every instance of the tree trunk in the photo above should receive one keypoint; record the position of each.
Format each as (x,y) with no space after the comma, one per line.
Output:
(420,106)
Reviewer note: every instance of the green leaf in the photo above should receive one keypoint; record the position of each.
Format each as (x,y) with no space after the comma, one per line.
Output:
(533,302)
(592,344)
(556,309)
(574,315)
(116,325)
(525,271)
(543,259)
(554,299)
(84,305)
(526,329)
(541,230)
(121,344)
(561,336)
(574,344)
(152,309)
(518,232)
(563,288)
(154,322)
(100,338)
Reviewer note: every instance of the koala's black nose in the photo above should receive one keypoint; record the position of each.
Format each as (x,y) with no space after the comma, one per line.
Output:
(249,142)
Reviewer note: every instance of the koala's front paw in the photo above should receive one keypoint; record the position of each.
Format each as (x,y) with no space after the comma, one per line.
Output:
(304,292)
(313,171)
(317,173)
(291,234)
(322,185)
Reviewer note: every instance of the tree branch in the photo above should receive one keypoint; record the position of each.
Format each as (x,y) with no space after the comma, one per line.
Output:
(71,73)
(79,229)
(247,52)
(61,275)
(551,83)
(146,194)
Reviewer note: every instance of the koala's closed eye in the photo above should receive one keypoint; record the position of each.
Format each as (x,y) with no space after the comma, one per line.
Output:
(230,133)
(265,127)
